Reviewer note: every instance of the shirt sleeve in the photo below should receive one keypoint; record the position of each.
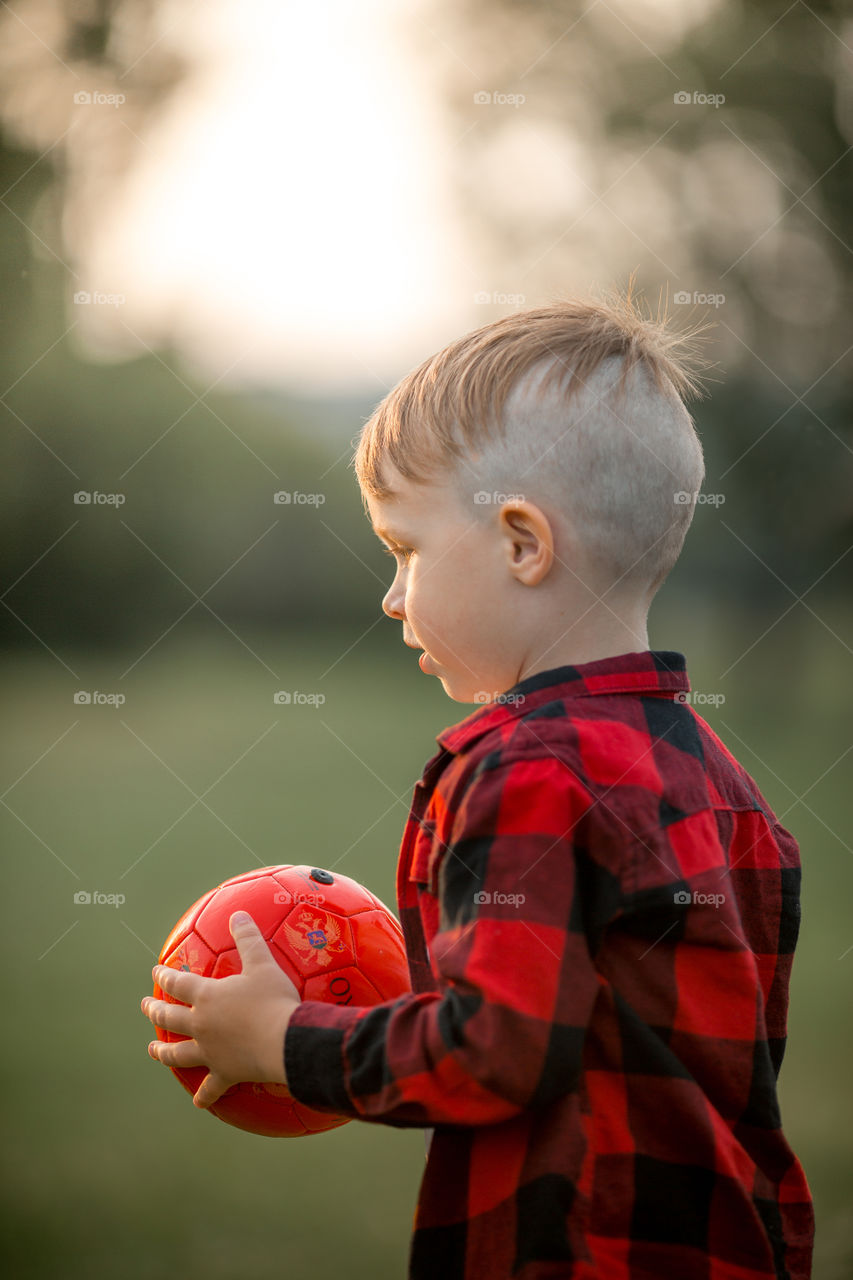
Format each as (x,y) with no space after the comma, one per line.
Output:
(517,983)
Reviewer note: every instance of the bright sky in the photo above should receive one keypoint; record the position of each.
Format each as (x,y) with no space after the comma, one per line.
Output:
(291,212)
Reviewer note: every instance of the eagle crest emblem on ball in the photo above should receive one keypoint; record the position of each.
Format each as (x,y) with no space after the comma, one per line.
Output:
(315,934)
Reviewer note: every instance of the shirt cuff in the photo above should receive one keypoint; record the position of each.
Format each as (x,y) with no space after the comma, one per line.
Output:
(314,1055)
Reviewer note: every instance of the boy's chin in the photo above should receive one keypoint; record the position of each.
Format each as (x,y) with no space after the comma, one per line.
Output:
(459,692)
(461,688)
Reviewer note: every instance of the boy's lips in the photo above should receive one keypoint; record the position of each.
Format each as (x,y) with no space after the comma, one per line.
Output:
(422,657)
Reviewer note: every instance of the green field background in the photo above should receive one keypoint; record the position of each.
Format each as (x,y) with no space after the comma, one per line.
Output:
(109,1171)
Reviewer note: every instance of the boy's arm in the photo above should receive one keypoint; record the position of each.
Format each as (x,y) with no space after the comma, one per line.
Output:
(517,982)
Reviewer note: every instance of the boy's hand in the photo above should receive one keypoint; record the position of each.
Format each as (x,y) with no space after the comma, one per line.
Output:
(236,1024)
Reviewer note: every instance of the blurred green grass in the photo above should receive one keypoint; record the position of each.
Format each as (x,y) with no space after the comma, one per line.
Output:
(109,1170)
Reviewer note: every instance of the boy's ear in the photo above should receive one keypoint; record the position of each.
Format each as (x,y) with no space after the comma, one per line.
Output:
(528,541)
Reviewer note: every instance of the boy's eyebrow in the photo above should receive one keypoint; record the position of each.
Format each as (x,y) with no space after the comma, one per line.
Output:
(388,535)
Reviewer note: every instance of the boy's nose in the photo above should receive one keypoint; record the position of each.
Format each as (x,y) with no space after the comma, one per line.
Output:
(392,603)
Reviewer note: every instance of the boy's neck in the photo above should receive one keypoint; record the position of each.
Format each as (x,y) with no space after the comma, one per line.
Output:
(605,638)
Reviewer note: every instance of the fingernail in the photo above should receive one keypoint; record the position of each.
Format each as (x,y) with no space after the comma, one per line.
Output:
(241,917)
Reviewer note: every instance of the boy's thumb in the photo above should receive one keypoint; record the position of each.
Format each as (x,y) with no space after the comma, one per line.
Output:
(250,941)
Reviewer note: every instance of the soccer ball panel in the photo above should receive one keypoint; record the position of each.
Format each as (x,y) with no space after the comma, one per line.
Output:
(257,896)
(184,925)
(377,935)
(227,963)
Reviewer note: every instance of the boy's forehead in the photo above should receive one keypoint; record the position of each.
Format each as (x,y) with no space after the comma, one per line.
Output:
(409,508)
(402,505)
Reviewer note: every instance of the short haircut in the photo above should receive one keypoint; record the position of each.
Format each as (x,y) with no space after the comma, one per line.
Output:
(579,407)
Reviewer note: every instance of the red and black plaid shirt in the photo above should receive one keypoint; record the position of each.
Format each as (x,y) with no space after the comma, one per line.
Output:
(600,912)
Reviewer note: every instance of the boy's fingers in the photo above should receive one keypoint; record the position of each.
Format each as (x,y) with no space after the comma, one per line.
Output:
(183,1053)
(171,1017)
(179,983)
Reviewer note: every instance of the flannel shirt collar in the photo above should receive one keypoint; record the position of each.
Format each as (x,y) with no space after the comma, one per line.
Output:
(656,671)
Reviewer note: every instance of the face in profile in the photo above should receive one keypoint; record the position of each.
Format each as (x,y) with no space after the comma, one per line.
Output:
(450,586)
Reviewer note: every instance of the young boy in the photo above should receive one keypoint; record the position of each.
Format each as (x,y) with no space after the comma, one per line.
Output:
(600,908)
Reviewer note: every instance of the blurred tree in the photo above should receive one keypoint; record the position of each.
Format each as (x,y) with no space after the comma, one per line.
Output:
(708,145)
(64,147)
(197,471)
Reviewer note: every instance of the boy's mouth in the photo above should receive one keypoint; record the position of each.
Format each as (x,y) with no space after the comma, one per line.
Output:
(423,657)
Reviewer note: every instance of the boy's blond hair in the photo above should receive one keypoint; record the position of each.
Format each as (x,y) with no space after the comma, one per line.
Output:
(577,405)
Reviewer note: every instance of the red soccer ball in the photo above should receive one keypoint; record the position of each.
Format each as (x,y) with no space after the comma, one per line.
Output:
(333,938)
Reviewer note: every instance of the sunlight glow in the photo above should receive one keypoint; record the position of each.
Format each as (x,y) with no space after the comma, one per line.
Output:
(290,210)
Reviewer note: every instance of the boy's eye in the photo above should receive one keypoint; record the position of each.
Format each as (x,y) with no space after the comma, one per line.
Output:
(405,552)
